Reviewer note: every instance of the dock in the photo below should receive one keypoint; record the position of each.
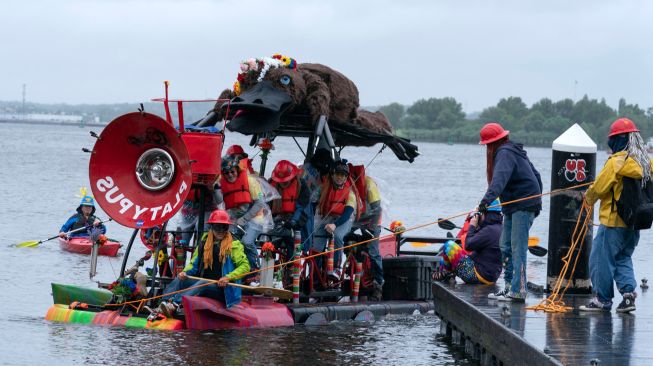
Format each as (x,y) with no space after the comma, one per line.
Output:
(503,333)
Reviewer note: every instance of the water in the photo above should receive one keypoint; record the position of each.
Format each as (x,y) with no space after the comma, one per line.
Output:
(42,170)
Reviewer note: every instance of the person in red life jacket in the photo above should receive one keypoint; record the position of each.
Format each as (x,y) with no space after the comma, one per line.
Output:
(85,217)
(243,200)
(480,260)
(314,172)
(237,152)
(336,212)
(291,207)
(218,257)
(370,220)
(511,176)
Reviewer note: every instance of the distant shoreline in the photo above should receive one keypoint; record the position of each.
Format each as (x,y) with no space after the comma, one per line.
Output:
(51,123)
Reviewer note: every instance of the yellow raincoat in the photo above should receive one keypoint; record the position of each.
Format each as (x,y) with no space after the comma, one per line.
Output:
(609,180)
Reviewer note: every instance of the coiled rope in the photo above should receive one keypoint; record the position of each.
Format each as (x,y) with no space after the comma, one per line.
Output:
(141,302)
(554,303)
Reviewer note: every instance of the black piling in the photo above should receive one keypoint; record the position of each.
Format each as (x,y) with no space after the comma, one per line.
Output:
(573,163)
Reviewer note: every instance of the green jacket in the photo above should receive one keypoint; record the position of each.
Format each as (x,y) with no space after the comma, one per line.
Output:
(237,257)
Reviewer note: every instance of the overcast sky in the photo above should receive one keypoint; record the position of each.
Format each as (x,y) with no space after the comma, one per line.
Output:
(476,51)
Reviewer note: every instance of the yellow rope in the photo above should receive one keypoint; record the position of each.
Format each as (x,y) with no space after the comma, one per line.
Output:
(355,244)
(554,303)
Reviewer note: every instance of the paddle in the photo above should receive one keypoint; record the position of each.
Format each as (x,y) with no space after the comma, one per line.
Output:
(266,291)
(31,244)
(533,241)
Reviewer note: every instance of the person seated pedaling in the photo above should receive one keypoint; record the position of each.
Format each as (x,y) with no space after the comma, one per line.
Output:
(85,217)
(291,208)
(370,220)
(336,213)
(243,200)
(480,259)
(218,257)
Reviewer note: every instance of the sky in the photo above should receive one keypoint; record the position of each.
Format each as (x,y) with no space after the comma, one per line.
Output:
(112,51)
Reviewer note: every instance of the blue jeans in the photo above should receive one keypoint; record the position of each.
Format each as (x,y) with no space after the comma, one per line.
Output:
(307,229)
(610,261)
(320,240)
(514,246)
(249,242)
(375,253)
(212,291)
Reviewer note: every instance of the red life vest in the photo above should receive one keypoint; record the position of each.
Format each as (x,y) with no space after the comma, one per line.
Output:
(336,200)
(286,205)
(236,193)
(357,175)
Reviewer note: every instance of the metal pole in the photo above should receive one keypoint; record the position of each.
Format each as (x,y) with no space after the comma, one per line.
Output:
(126,257)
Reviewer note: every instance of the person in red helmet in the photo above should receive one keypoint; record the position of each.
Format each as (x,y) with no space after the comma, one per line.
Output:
(237,152)
(610,259)
(511,176)
(218,257)
(291,207)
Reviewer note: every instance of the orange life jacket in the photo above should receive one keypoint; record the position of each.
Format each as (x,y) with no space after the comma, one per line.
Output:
(236,193)
(286,205)
(336,200)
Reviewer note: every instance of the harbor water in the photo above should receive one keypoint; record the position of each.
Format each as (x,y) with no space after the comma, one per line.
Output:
(43,168)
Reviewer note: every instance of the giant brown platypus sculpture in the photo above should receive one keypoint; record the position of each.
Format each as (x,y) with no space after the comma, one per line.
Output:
(272,86)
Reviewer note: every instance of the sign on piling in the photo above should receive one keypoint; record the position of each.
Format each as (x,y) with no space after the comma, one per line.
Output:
(573,163)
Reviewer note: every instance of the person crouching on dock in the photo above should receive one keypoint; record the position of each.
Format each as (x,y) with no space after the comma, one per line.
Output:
(610,259)
(218,257)
(511,176)
(480,260)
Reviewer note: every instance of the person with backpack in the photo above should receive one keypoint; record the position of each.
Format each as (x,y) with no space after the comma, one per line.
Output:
(610,258)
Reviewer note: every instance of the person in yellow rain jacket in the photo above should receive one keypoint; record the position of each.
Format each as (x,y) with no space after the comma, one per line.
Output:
(610,259)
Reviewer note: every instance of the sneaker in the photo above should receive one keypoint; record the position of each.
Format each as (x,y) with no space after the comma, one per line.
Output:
(507,296)
(377,291)
(627,304)
(512,297)
(596,306)
(167,308)
(497,295)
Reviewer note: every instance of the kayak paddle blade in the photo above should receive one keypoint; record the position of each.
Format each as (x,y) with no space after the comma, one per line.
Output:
(28,244)
(446,224)
(538,251)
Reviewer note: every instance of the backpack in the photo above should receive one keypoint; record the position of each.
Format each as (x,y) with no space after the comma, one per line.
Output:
(635,206)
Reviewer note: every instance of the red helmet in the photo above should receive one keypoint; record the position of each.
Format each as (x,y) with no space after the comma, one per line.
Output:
(492,132)
(284,171)
(622,125)
(236,150)
(219,217)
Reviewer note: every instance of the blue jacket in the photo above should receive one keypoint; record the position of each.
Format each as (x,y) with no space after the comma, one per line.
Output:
(483,241)
(514,177)
(77,221)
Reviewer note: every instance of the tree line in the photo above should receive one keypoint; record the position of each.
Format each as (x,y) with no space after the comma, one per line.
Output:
(443,120)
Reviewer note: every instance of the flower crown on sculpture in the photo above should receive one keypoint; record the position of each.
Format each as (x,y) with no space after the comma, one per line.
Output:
(262,65)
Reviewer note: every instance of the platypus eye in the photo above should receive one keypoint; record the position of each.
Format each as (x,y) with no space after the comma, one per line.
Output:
(284,79)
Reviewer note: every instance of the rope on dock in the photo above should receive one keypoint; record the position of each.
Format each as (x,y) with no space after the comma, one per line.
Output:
(554,303)
(327,252)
